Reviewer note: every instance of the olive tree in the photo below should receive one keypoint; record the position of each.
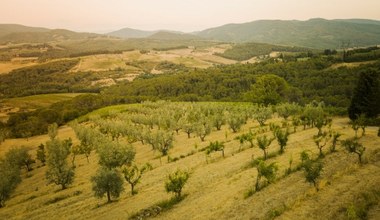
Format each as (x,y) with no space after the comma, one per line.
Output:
(334,140)
(247,137)
(41,154)
(215,146)
(113,154)
(353,146)
(282,138)
(10,178)
(20,157)
(266,171)
(176,181)
(107,181)
(313,171)
(263,143)
(202,130)
(235,121)
(133,174)
(58,171)
(262,114)
(287,109)
(321,141)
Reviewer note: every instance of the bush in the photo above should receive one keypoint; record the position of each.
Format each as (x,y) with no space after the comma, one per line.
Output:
(176,181)
(312,171)
(353,146)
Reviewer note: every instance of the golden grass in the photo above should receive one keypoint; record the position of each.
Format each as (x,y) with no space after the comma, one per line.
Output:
(350,65)
(16,63)
(190,57)
(215,189)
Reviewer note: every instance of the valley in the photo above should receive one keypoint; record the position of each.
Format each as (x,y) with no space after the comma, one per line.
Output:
(268,119)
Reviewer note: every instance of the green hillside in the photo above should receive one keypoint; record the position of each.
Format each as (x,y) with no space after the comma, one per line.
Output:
(16,28)
(43,37)
(245,51)
(313,33)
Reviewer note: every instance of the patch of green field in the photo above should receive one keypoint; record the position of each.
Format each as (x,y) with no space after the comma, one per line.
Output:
(37,101)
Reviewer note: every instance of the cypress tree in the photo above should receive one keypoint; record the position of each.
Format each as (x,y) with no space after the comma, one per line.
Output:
(366,98)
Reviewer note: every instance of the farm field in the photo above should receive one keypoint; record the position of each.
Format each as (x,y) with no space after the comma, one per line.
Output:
(29,103)
(219,187)
(7,66)
(192,57)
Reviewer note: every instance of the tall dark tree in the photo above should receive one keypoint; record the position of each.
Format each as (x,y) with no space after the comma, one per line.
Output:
(366,98)
(10,178)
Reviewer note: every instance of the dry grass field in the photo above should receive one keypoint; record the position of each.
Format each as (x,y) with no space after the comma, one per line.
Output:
(190,57)
(216,188)
(16,63)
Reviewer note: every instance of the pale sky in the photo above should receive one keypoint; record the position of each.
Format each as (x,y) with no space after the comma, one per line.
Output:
(182,15)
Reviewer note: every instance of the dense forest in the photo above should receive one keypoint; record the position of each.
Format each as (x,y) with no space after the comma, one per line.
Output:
(308,80)
(246,51)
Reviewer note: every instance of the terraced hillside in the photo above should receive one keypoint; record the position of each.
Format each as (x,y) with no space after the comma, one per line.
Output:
(219,187)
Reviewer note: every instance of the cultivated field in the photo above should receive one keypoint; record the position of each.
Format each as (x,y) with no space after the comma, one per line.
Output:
(29,103)
(190,57)
(217,186)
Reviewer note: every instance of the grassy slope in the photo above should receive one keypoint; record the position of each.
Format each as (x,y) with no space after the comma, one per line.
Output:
(37,101)
(31,102)
(193,58)
(215,190)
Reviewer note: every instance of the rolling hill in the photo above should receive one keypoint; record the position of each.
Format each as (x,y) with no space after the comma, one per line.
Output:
(313,33)
(6,29)
(130,33)
(24,34)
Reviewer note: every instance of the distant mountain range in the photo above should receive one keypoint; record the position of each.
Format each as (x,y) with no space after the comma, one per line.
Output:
(159,34)
(313,33)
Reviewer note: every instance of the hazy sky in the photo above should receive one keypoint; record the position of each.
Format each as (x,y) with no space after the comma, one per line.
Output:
(184,15)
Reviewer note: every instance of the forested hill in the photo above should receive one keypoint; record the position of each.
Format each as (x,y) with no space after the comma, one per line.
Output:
(307,81)
(313,33)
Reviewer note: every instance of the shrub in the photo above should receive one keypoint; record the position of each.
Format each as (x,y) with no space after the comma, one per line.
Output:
(353,146)
(176,181)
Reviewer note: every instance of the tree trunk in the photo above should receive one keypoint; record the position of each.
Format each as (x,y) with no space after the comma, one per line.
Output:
(316,185)
(179,194)
(132,189)
(188,134)
(281,149)
(265,154)
(73,161)
(360,157)
(108,196)
(257,182)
